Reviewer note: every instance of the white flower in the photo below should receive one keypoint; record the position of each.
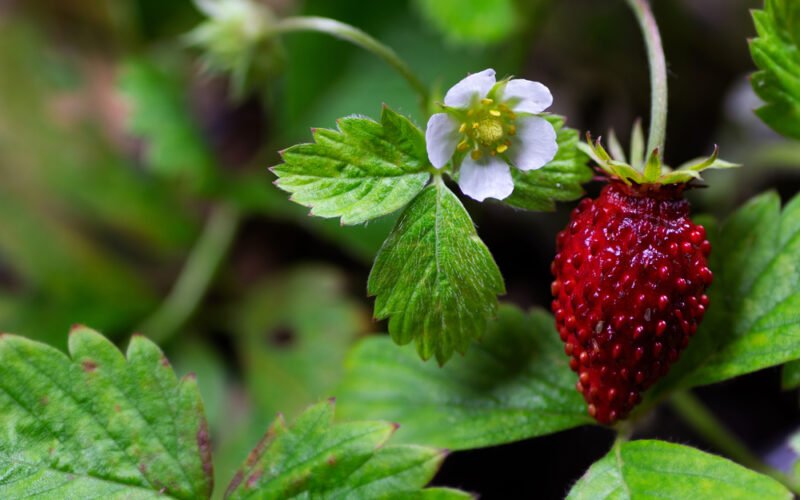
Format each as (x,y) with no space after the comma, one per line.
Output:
(493,125)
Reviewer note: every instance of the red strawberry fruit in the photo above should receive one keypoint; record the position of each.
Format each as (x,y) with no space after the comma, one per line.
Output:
(631,274)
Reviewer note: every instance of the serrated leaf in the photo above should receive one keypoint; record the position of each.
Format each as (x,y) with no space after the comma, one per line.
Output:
(656,469)
(752,321)
(515,384)
(472,21)
(319,459)
(560,180)
(98,423)
(359,172)
(434,278)
(174,145)
(776,52)
(616,148)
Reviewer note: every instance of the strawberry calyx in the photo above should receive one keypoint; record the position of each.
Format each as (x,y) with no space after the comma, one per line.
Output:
(647,170)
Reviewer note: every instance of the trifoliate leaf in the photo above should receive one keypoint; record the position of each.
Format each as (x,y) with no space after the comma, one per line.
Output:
(434,278)
(752,321)
(655,469)
(316,458)
(361,171)
(173,144)
(97,423)
(776,52)
(515,384)
(559,180)
(472,21)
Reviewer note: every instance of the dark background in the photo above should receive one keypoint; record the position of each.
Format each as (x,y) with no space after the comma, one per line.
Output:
(89,234)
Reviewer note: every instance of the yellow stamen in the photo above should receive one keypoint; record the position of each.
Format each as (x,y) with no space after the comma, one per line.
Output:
(462,128)
(476,154)
(486,101)
(474,125)
(463,146)
(502,148)
(494,112)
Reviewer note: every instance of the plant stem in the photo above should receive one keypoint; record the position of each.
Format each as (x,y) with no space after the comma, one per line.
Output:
(658,75)
(699,418)
(206,257)
(357,37)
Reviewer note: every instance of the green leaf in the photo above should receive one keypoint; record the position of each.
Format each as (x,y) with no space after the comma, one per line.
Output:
(472,21)
(637,146)
(752,321)
(174,145)
(655,469)
(434,278)
(98,423)
(559,180)
(361,171)
(652,169)
(790,377)
(776,52)
(294,331)
(514,385)
(319,459)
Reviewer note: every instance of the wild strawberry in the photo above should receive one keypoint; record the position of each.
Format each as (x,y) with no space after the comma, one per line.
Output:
(630,279)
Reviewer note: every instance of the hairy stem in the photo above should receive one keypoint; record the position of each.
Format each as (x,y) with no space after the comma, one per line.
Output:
(658,75)
(699,418)
(357,37)
(195,278)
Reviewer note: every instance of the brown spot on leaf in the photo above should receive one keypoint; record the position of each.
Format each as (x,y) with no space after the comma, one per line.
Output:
(74,328)
(332,460)
(117,408)
(165,362)
(45,401)
(89,365)
(253,479)
(281,337)
(204,445)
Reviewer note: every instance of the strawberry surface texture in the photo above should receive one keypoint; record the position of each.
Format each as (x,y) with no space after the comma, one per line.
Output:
(631,274)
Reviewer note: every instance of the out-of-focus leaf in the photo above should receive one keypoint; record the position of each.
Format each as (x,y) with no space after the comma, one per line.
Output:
(515,384)
(319,459)
(359,172)
(472,21)
(655,469)
(434,278)
(776,52)
(790,377)
(98,423)
(174,146)
(72,212)
(752,321)
(293,333)
(560,180)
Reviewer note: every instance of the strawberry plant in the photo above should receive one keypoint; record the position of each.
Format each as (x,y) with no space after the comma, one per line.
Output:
(662,282)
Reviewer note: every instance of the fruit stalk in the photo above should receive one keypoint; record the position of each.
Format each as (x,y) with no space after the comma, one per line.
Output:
(658,75)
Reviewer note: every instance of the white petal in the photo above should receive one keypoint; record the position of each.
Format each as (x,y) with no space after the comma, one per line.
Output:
(441,138)
(478,84)
(489,177)
(534,145)
(533,97)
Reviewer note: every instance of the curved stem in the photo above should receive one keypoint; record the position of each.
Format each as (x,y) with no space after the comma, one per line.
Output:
(206,257)
(699,418)
(357,37)
(658,75)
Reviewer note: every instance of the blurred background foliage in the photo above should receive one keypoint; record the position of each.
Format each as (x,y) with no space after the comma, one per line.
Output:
(117,147)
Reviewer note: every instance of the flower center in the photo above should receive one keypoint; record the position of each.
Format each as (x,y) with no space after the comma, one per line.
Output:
(489,131)
(486,129)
